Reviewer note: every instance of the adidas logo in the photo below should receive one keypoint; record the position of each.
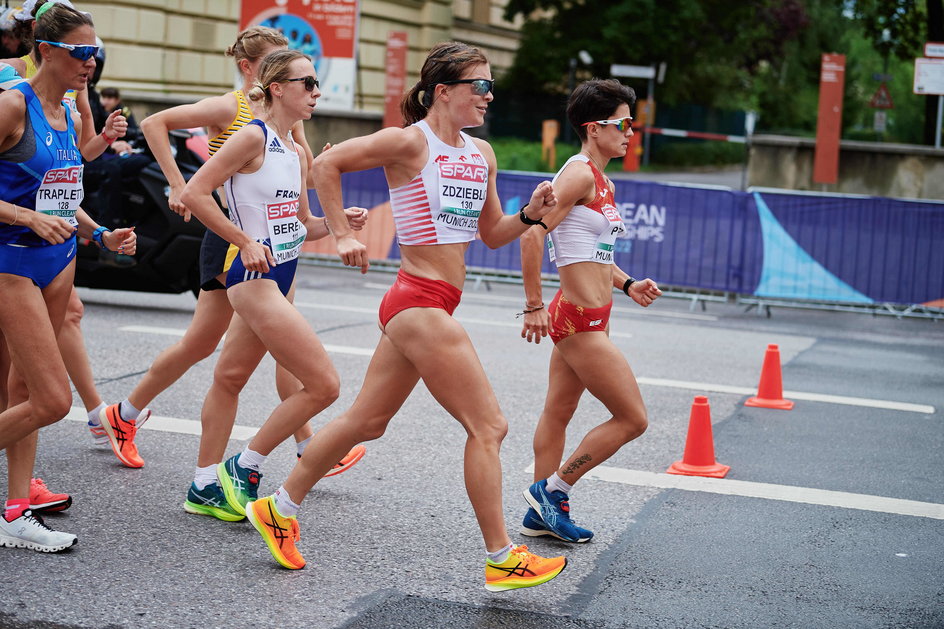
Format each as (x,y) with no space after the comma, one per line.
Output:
(275,147)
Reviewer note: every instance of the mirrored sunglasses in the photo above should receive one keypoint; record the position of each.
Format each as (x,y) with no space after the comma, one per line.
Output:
(83,53)
(621,124)
(480,87)
(310,82)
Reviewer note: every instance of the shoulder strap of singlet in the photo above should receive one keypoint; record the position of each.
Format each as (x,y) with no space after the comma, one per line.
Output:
(261,125)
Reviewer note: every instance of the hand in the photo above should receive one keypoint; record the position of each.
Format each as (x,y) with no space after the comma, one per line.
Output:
(356,217)
(257,257)
(116,125)
(542,201)
(536,325)
(173,201)
(53,229)
(644,292)
(122,240)
(121,147)
(353,252)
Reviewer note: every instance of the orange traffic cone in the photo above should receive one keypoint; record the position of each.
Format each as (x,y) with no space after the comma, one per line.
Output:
(699,458)
(770,389)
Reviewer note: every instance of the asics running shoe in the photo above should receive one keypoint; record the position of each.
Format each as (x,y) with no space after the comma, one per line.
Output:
(554,509)
(41,500)
(210,501)
(351,458)
(99,436)
(533,526)
(240,484)
(522,569)
(121,436)
(280,533)
(29,531)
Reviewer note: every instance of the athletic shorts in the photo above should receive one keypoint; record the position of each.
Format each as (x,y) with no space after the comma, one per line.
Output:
(236,273)
(40,264)
(568,319)
(410,291)
(212,260)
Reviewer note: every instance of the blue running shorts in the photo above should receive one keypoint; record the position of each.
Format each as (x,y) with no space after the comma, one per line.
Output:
(40,264)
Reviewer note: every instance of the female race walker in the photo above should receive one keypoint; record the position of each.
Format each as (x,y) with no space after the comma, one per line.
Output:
(582,230)
(40,193)
(264,170)
(442,191)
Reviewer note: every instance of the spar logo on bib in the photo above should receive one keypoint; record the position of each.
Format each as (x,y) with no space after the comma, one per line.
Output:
(63,175)
(282,210)
(463,172)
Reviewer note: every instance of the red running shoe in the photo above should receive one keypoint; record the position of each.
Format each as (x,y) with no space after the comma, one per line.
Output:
(41,500)
(352,457)
(121,436)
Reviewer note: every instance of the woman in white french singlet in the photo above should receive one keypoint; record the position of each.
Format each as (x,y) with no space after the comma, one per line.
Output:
(263,170)
(442,190)
(582,231)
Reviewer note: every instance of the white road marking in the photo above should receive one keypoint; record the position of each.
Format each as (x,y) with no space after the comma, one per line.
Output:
(171,424)
(336,349)
(786,493)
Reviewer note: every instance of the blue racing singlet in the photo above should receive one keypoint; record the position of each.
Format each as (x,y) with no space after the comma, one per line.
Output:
(47,179)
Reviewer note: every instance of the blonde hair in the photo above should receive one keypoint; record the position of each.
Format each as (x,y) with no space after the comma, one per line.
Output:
(253,41)
(274,69)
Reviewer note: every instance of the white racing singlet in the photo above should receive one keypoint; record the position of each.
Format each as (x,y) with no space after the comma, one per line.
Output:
(264,204)
(443,202)
(588,233)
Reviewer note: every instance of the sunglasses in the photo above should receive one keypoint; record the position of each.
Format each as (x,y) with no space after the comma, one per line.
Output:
(83,53)
(621,124)
(310,82)
(480,87)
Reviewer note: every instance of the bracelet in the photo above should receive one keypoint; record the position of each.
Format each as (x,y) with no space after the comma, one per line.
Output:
(530,221)
(97,237)
(107,139)
(629,282)
(327,226)
(16,214)
(528,310)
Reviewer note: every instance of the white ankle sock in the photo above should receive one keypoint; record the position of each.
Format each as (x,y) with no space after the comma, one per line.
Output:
(128,412)
(300,446)
(251,459)
(554,483)
(204,476)
(94,414)
(284,504)
(500,556)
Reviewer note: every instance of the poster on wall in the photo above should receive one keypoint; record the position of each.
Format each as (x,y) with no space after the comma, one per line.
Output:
(325,30)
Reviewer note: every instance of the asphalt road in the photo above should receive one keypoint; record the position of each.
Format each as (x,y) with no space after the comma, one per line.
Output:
(831,515)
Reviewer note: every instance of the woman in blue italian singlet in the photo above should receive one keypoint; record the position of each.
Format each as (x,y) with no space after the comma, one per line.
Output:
(264,172)
(40,193)
(582,231)
(443,193)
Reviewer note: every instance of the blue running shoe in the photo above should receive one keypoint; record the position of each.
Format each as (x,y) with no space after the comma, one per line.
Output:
(533,526)
(554,509)
(210,501)
(240,484)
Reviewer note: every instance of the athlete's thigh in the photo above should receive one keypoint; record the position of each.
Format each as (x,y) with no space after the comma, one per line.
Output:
(242,350)
(389,380)
(603,370)
(211,318)
(442,353)
(564,386)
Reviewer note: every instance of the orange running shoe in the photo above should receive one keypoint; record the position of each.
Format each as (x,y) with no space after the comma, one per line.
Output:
(121,436)
(522,569)
(280,533)
(41,500)
(352,457)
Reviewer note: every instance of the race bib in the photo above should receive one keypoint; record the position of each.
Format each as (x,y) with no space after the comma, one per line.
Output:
(606,242)
(60,193)
(462,189)
(286,233)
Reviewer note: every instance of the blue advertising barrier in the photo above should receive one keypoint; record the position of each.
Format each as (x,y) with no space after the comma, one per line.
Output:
(764,243)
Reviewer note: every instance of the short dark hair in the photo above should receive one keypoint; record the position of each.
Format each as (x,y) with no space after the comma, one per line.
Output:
(596,99)
(110,92)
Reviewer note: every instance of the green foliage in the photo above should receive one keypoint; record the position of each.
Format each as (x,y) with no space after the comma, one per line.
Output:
(517,154)
(698,153)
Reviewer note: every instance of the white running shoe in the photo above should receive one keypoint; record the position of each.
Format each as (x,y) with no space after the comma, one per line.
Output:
(29,531)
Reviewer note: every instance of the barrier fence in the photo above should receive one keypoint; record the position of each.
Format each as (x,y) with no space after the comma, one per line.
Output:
(765,244)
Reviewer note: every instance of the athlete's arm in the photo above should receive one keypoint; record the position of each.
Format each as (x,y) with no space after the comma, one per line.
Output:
(497,229)
(93,145)
(122,240)
(215,112)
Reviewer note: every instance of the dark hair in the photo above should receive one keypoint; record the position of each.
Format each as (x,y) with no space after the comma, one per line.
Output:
(110,92)
(445,62)
(58,21)
(274,68)
(596,99)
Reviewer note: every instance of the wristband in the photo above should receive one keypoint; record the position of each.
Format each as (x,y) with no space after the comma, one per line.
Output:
(109,141)
(629,282)
(97,237)
(530,221)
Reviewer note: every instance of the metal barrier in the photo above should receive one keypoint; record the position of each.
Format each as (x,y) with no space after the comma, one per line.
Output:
(768,247)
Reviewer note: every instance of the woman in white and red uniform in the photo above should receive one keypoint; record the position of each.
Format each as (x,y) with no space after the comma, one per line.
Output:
(442,189)
(582,230)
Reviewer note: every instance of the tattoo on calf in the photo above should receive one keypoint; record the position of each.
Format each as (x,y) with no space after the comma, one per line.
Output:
(577,464)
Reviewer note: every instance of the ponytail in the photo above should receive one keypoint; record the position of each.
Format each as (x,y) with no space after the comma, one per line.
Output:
(415,104)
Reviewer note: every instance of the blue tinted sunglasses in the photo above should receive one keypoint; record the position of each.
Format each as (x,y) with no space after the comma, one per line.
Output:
(83,53)
(480,87)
